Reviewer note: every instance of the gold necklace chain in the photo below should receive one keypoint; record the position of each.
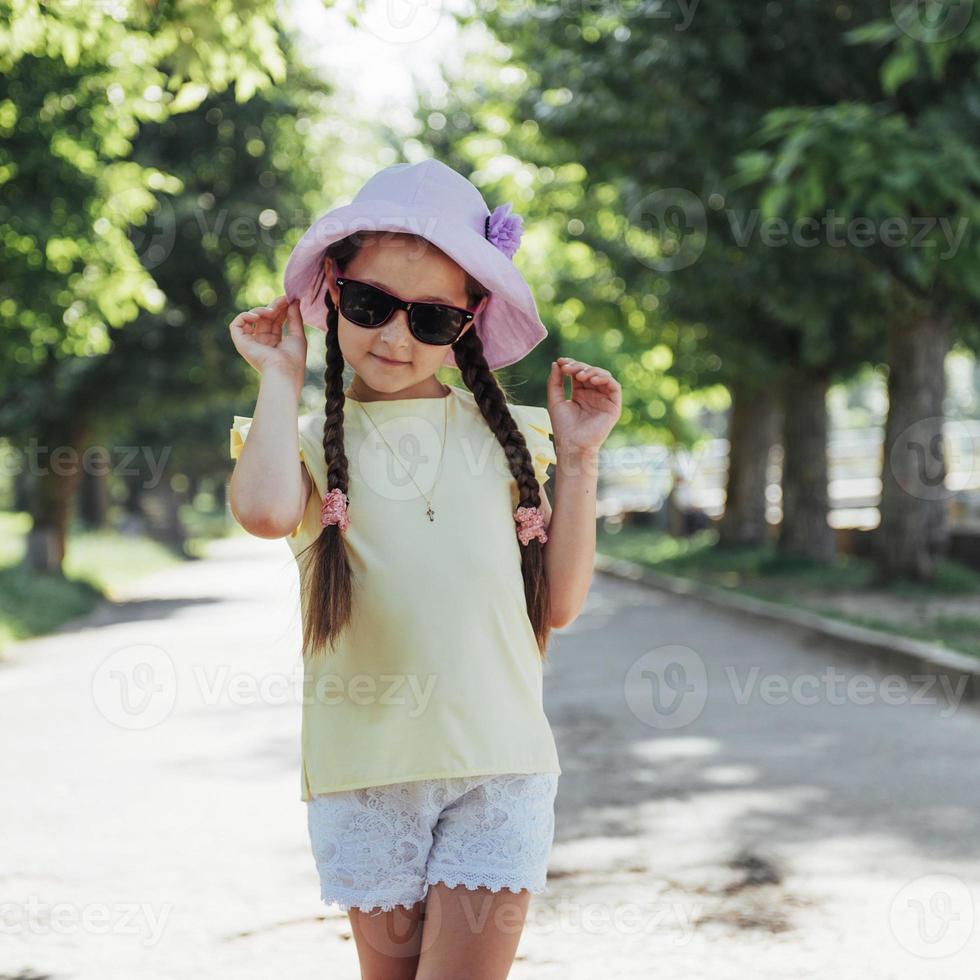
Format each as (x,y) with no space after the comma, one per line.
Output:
(429,512)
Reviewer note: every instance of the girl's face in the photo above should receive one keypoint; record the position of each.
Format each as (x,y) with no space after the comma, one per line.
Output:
(388,361)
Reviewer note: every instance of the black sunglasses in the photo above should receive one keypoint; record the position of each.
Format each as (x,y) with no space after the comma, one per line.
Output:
(430,323)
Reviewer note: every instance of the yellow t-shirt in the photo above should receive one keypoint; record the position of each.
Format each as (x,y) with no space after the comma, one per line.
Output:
(438,673)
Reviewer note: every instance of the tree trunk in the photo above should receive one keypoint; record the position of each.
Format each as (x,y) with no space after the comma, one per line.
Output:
(58,473)
(94,497)
(24,484)
(752,429)
(913,532)
(133,502)
(804,530)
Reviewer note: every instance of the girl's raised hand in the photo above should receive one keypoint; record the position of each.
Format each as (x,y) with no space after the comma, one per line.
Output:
(258,337)
(582,422)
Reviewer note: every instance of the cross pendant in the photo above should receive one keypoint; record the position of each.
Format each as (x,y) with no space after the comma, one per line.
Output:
(430,513)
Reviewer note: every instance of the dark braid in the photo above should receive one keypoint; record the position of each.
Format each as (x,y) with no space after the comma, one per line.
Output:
(333,423)
(327,575)
(489,396)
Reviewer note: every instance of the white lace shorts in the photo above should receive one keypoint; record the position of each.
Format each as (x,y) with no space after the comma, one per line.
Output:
(382,846)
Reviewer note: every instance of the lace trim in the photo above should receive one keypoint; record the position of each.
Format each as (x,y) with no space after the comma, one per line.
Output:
(479,881)
(347,901)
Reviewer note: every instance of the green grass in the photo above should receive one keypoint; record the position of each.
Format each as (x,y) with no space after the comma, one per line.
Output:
(32,604)
(960,633)
(95,563)
(13,528)
(701,558)
(801,584)
(107,559)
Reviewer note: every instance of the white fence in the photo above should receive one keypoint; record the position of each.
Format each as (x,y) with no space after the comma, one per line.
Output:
(639,478)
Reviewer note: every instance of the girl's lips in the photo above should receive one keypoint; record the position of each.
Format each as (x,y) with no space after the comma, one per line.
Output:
(384,360)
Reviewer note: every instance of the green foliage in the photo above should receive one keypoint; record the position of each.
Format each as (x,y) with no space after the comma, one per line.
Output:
(78,81)
(171,380)
(906,158)
(152,181)
(658,117)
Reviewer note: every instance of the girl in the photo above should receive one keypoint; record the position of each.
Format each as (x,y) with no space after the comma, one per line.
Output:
(432,568)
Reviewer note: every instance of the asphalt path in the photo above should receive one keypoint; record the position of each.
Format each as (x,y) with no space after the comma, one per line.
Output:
(737,800)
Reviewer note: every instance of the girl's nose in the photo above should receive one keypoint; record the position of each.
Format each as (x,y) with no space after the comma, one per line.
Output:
(395,329)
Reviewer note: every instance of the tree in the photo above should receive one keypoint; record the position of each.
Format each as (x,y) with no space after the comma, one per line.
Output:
(657,113)
(70,194)
(905,163)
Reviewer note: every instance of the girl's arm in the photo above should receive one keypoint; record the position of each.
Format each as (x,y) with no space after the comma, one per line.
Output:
(270,487)
(580,425)
(569,554)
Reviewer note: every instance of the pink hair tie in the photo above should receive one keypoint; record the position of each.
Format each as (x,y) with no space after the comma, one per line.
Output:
(531,524)
(334,509)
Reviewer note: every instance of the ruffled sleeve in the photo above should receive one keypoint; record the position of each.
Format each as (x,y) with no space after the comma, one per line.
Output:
(535,425)
(239,433)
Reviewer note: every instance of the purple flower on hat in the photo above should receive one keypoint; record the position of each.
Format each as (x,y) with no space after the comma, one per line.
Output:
(504,229)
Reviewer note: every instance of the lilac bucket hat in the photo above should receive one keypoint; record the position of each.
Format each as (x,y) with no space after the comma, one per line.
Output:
(432,200)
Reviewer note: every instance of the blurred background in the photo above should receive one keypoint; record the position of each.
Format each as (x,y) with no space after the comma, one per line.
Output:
(761,217)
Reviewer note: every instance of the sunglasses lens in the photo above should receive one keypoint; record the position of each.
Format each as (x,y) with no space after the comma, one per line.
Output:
(364,305)
(437,324)
(431,323)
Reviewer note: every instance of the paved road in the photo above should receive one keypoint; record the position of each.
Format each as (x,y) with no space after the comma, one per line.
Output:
(725,811)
